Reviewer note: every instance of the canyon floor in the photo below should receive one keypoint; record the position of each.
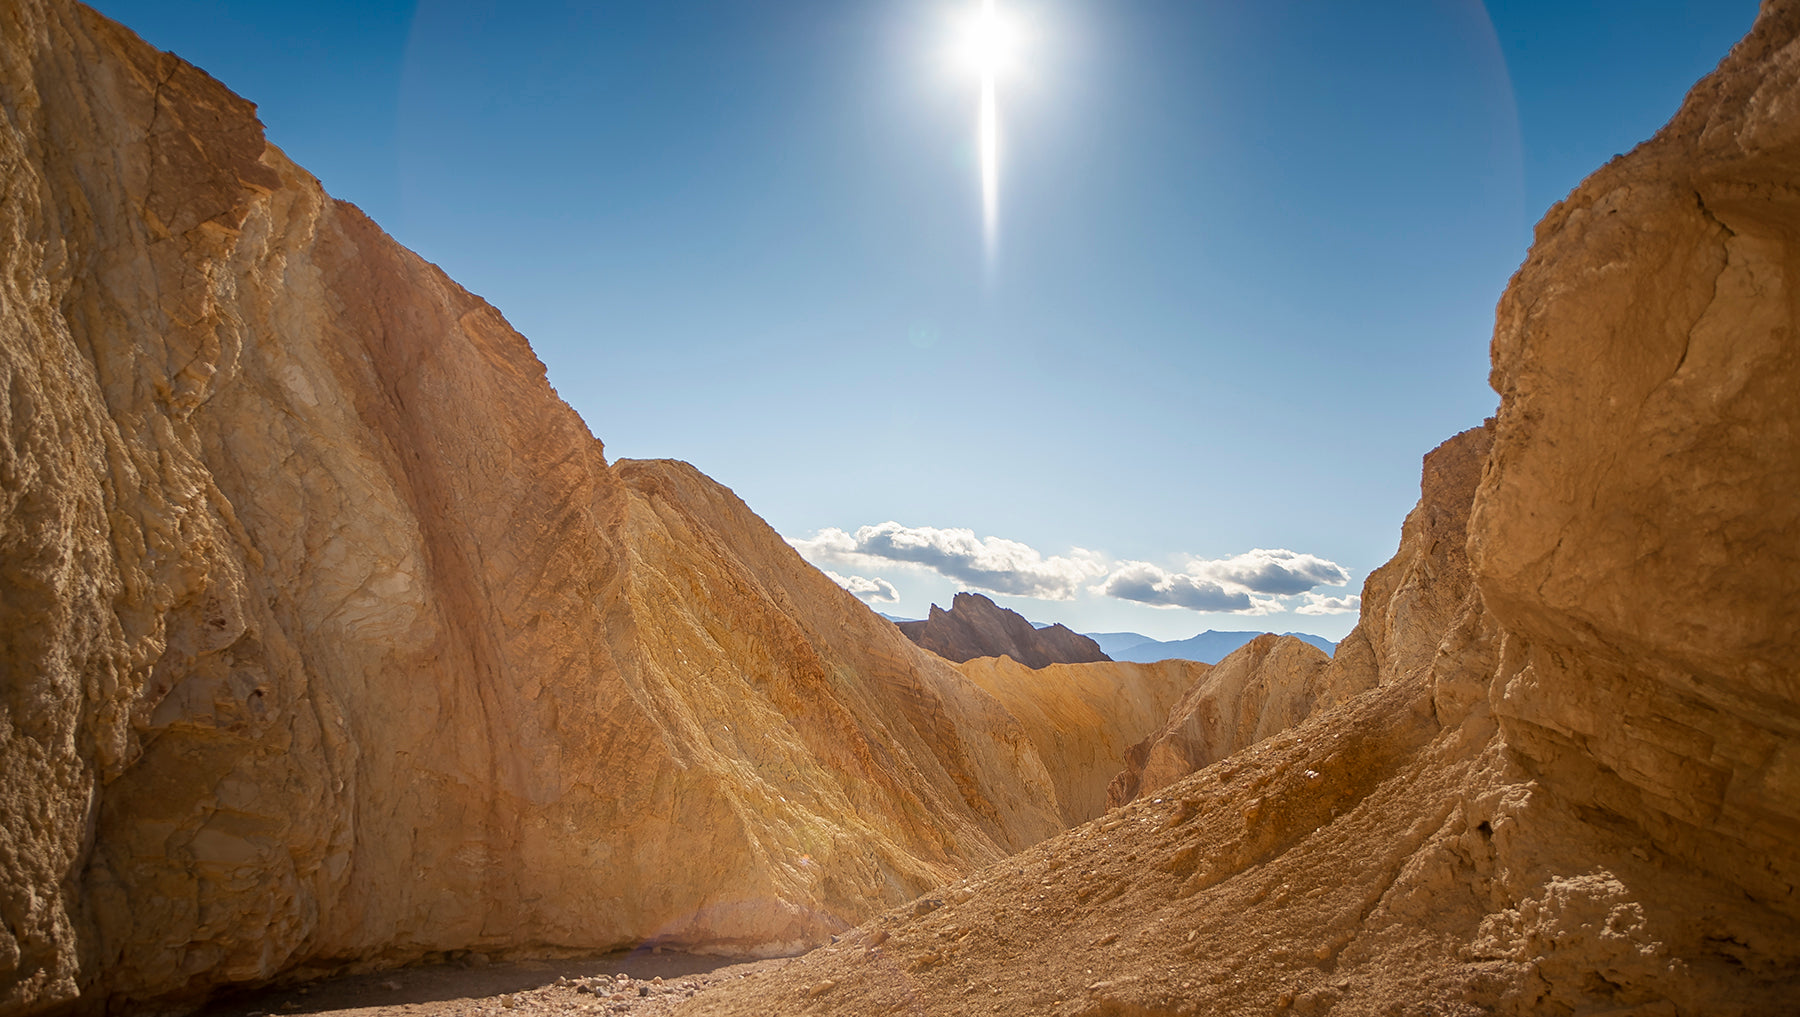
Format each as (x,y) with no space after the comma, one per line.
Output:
(638,982)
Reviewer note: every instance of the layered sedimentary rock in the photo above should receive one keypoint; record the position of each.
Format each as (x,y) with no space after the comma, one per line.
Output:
(1083,718)
(977,627)
(1578,795)
(332,638)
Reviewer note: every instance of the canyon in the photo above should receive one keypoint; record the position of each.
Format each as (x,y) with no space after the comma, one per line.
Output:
(334,642)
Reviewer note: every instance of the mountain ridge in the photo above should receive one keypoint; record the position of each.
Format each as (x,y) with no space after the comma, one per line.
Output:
(1207,647)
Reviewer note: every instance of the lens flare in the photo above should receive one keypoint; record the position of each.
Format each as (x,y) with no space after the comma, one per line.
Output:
(987,50)
(990,168)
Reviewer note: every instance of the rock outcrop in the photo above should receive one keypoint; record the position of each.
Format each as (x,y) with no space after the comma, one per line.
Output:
(1262,688)
(331,637)
(977,627)
(1083,718)
(1570,784)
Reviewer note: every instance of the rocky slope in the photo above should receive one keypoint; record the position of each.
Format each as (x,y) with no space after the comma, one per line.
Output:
(332,638)
(1083,718)
(1264,687)
(1571,786)
(977,627)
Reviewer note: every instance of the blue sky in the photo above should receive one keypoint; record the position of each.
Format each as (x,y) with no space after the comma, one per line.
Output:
(1247,263)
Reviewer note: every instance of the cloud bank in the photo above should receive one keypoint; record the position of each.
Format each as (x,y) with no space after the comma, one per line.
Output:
(1320,604)
(994,564)
(1259,581)
(1145,583)
(1271,570)
(874,591)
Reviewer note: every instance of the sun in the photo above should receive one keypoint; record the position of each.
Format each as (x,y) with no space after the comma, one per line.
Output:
(988,44)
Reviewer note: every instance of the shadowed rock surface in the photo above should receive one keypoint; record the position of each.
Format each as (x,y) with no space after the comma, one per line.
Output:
(977,627)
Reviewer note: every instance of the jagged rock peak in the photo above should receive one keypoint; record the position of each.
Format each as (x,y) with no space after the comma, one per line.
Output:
(977,627)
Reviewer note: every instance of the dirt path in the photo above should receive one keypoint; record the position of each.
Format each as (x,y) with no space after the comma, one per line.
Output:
(641,983)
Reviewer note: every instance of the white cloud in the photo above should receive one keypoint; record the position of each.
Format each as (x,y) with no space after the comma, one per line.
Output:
(1260,581)
(1145,583)
(1320,604)
(876,591)
(994,564)
(1270,570)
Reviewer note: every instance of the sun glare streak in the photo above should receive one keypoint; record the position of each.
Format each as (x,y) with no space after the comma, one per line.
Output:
(987,50)
(990,168)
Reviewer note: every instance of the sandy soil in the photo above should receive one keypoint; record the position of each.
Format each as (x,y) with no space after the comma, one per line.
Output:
(640,983)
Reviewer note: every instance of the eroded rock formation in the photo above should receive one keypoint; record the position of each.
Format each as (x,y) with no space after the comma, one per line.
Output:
(1263,687)
(1570,786)
(977,627)
(1083,718)
(331,636)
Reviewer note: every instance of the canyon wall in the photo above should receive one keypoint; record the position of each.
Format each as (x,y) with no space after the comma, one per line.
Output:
(332,638)
(1084,718)
(1568,785)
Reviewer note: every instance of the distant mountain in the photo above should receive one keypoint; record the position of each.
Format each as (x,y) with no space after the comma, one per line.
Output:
(896,619)
(1208,647)
(1115,643)
(977,627)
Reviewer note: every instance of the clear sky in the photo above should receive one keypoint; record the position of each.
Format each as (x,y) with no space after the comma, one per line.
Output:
(1246,260)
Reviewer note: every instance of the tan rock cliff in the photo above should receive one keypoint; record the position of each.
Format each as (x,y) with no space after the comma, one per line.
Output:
(1083,718)
(332,638)
(1263,687)
(1580,798)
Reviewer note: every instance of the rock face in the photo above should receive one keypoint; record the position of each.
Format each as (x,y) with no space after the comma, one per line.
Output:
(977,627)
(1569,785)
(1083,718)
(1264,687)
(331,636)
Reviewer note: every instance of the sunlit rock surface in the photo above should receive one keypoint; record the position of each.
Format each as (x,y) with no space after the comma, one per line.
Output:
(330,635)
(1083,718)
(977,627)
(1568,785)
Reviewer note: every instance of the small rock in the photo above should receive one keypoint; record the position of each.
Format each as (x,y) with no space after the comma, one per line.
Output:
(643,990)
(820,988)
(506,1000)
(925,906)
(477,960)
